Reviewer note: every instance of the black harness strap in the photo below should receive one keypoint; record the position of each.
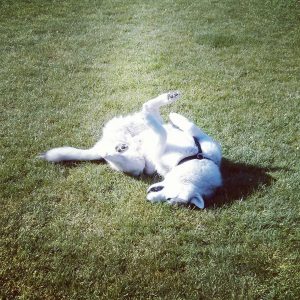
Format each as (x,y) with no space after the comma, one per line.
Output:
(199,155)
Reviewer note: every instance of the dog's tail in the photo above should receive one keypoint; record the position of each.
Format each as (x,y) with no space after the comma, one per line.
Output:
(70,154)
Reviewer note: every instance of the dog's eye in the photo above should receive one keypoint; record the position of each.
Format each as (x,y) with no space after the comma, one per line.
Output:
(121,148)
(156,189)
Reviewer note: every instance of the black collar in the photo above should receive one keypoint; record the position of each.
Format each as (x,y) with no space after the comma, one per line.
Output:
(199,155)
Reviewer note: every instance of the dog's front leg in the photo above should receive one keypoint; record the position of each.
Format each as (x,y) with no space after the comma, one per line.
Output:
(210,147)
(186,125)
(152,106)
(156,140)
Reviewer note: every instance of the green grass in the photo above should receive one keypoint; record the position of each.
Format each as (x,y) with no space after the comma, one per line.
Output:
(85,232)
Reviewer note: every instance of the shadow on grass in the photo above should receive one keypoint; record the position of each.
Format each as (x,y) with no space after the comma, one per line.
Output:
(239,181)
(76,163)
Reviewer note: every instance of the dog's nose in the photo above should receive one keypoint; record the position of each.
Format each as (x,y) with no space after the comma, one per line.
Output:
(155,189)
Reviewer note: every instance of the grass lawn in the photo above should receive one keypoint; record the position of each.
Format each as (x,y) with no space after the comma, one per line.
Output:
(86,232)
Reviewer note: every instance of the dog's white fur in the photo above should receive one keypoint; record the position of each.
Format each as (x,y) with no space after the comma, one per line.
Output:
(193,179)
(141,142)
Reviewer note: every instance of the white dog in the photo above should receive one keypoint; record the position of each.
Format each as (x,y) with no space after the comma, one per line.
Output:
(187,157)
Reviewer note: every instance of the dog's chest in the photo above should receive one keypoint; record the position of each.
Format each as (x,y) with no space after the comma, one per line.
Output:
(178,146)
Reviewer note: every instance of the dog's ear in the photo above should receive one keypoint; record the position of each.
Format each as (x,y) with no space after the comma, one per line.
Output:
(198,201)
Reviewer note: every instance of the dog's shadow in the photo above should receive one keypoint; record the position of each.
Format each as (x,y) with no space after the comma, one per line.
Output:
(239,181)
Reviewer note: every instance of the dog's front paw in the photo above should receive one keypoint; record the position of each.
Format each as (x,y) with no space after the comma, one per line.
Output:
(180,121)
(173,95)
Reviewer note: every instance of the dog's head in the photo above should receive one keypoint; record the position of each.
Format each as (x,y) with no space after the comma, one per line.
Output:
(162,192)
